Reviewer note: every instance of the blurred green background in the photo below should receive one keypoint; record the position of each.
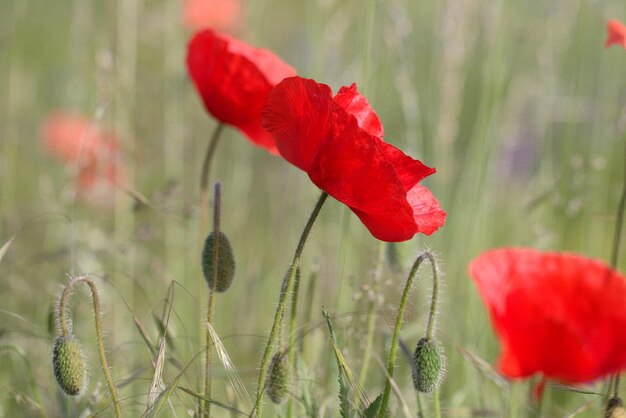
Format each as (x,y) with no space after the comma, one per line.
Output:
(516,103)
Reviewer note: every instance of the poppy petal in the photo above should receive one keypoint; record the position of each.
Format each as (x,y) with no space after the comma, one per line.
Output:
(327,139)
(558,314)
(616,33)
(234,80)
(357,105)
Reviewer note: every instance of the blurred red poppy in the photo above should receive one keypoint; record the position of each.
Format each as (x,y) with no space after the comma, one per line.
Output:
(234,80)
(615,33)
(337,141)
(91,151)
(221,15)
(559,314)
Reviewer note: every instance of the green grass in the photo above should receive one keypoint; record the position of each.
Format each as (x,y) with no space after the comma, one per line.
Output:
(518,106)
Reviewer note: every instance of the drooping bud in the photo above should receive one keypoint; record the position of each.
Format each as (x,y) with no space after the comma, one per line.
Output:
(225,262)
(615,408)
(70,367)
(430,365)
(278,381)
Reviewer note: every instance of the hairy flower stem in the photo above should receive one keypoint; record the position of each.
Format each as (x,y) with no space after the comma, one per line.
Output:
(396,332)
(292,334)
(371,316)
(617,242)
(284,291)
(65,330)
(211,305)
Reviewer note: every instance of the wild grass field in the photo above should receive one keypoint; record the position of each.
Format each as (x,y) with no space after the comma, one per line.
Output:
(518,105)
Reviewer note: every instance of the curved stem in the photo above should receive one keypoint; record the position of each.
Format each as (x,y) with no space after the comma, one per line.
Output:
(292,334)
(211,308)
(98,323)
(396,332)
(284,291)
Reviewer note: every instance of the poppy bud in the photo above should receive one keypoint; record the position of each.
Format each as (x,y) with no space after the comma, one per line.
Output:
(70,368)
(615,409)
(278,382)
(225,262)
(430,365)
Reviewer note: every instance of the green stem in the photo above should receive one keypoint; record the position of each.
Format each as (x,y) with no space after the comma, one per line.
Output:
(371,316)
(65,330)
(203,215)
(396,332)
(292,335)
(211,305)
(284,291)
(436,406)
(420,408)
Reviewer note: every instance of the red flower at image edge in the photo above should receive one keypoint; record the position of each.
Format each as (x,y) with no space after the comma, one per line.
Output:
(337,141)
(223,15)
(615,33)
(234,80)
(559,314)
(94,153)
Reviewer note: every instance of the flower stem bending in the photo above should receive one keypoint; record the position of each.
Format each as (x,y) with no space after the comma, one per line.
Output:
(65,330)
(396,332)
(284,291)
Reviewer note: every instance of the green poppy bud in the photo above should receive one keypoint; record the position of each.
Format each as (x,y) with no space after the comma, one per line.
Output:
(225,262)
(278,381)
(430,365)
(70,367)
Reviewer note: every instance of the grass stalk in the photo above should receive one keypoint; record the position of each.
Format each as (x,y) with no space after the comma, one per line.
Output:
(285,289)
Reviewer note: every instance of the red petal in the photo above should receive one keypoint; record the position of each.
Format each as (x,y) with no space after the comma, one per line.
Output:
(555,313)
(376,180)
(357,105)
(616,33)
(234,80)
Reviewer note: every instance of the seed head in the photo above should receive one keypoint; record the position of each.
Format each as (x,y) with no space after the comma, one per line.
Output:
(70,367)
(615,409)
(225,262)
(430,365)
(278,382)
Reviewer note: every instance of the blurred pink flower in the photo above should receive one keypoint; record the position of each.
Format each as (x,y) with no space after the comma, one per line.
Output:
(222,15)
(615,33)
(92,152)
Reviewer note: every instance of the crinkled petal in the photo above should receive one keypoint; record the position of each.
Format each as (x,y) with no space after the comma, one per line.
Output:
(376,180)
(296,109)
(558,314)
(357,105)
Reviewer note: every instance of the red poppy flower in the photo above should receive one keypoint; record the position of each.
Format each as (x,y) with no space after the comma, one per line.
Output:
(93,152)
(222,15)
(559,314)
(616,33)
(234,80)
(337,141)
